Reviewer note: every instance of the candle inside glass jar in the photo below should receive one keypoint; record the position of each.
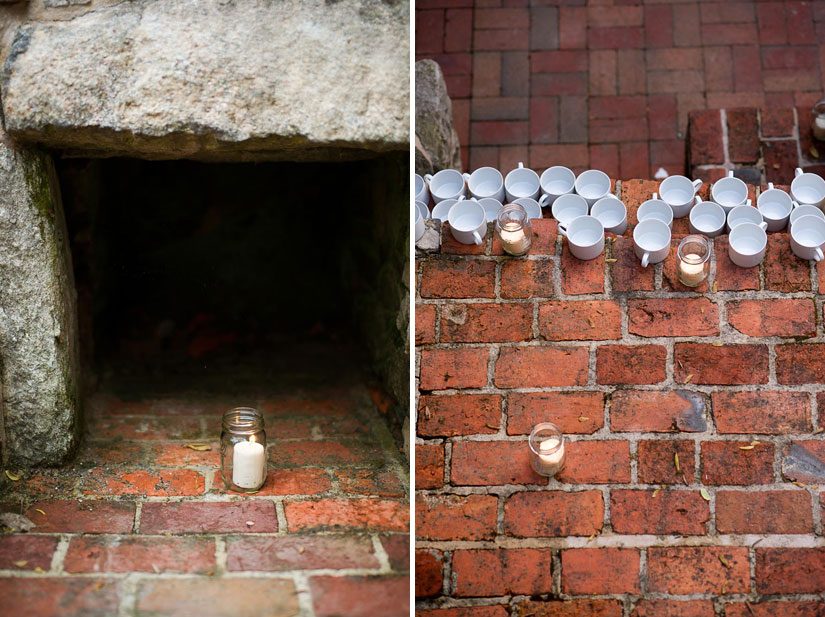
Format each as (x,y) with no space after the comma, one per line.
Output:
(513,238)
(248,464)
(818,128)
(692,274)
(551,456)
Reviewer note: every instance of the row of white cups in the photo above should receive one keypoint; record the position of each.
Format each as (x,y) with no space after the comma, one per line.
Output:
(586,209)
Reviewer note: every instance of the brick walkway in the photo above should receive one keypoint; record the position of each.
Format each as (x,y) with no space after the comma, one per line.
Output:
(637,370)
(586,83)
(140,525)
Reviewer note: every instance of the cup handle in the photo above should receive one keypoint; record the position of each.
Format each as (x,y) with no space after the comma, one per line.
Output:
(697,184)
(645,260)
(748,202)
(794,205)
(797,172)
(764,226)
(818,256)
(770,186)
(466,177)
(697,201)
(730,173)
(428,177)
(461,198)
(544,199)
(477,237)
(562,230)
(655,195)
(520,165)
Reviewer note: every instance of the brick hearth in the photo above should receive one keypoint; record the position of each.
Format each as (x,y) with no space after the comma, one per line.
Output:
(637,370)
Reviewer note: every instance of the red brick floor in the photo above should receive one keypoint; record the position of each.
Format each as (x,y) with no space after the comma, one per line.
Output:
(609,83)
(695,475)
(141,525)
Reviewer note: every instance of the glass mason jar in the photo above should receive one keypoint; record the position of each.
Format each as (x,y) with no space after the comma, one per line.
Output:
(694,260)
(818,120)
(514,229)
(547,452)
(243,450)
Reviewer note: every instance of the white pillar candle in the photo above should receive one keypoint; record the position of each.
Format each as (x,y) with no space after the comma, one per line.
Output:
(550,458)
(248,464)
(818,128)
(514,241)
(692,275)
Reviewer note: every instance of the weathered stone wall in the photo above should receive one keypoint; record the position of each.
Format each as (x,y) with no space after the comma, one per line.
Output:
(436,141)
(38,324)
(210,79)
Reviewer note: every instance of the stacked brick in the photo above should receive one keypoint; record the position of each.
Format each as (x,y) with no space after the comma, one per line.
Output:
(141,524)
(695,475)
(609,84)
(766,144)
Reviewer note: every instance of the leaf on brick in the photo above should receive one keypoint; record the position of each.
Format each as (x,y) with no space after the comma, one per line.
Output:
(717,344)
(39,510)
(199,447)
(20,564)
(705,495)
(611,260)
(748,447)
(656,492)
(715,286)
(799,484)
(724,561)
(99,586)
(688,378)
(591,322)
(814,152)
(40,570)
(12,476)
(492,427)
(583,418)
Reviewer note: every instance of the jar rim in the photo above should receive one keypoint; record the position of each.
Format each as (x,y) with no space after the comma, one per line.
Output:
(687,258)
(506,212)
(243,420)
(542,427)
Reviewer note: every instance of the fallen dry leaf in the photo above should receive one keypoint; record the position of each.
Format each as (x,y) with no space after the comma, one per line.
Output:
(814,152)
(39,510)
(715,286)
(493,427)
(583,418)
(717,344)
(12,476)
(688,378)
(20,564)
(250,523)
(724,561)
(748,447)
(705,495)
(40,570)
(591,322)
(610,260)
(199,447)
(676,460)
(656,492)
(799,484)
(99,585)
(301,549)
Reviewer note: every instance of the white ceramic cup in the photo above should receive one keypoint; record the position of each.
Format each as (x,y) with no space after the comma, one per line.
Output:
(729,192)
(655,209)
(592,185)
(651,241)
(486,182)
(422,193)
(522,182)
(419,224)
(567,207)
(585,237)
(746,245)
(612,214)
(491,208)
(808,188)
(775,206)
(745,214)
(707,218)
(423,209)
(468,222)
(441,210)
(679,193)
(806,210)
(531,205)
(555,181)
(446,184)
(808,237)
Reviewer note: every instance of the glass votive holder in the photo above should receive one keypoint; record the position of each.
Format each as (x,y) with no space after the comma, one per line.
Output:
(514,229)
(547,452)
(818,120)
(694,260)
(243,450)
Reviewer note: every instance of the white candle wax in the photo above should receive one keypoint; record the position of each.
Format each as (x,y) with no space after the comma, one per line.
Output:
(692,274)
(248,464)
(549,460)
(514,241)
(818,128)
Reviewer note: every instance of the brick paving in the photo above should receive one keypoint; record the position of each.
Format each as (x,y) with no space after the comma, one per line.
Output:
(695,475)
(142,525)
(609,83)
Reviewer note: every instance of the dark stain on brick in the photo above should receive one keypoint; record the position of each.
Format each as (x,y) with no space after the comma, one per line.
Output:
(800,465)
(692,418)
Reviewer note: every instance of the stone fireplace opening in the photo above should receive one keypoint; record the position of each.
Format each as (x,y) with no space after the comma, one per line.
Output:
(192,274)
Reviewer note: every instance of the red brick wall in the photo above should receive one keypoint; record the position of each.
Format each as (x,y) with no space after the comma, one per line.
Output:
(637,370)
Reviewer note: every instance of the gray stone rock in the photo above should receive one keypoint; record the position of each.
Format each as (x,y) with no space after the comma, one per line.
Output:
(434,120)
(801,465)
(38,323)
(691,418)
(215,80)
(59,3)
(430,242)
